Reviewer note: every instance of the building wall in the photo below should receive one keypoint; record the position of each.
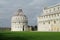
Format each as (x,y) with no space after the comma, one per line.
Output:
(50,21)
(51,9)
(18,23)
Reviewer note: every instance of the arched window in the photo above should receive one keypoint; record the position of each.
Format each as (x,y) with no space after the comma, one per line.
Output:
(49,22)
(43,22)
(54,9)
(46,11)
(54,22)
(58,8)
(57,14)
(50,10)
(19,22)
(52,15)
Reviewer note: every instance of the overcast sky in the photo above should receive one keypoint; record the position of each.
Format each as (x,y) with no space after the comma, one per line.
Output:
(31,8)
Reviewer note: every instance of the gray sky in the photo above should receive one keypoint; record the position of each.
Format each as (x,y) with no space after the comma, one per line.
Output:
(31,8)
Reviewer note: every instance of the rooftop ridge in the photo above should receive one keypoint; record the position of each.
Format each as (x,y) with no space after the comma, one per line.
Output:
(52,6)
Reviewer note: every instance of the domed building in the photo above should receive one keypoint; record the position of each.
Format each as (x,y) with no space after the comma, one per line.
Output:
(19,21)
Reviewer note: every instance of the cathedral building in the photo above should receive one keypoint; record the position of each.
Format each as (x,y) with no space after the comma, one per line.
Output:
(19,21)
(50,19)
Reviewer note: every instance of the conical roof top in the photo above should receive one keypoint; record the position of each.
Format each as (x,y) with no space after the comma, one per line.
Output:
(20,13)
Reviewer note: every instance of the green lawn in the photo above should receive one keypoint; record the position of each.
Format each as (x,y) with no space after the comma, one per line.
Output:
(29,35)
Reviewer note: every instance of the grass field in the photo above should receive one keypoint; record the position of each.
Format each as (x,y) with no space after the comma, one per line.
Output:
(29,35)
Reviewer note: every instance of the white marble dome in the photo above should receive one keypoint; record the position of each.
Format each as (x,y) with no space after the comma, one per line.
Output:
(20,17)
(19,21)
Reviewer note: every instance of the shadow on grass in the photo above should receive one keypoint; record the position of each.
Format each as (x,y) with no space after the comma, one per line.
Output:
(29,36)
(4,37)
